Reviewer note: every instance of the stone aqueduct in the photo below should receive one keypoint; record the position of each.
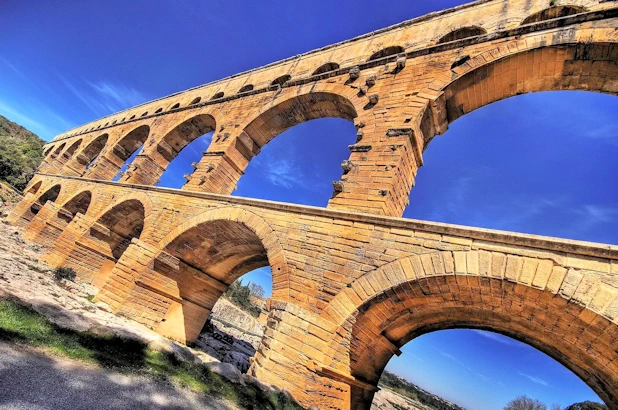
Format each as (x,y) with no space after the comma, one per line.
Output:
(352,282)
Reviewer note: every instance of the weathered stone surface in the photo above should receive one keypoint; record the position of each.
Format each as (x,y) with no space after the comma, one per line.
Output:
(350,286)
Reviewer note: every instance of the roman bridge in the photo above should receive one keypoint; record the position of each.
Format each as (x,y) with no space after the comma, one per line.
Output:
(352,282)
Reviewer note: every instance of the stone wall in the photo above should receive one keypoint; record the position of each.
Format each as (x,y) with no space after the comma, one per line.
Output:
(351,283)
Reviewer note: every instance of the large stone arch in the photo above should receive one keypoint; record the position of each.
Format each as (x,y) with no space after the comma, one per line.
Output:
(231,151)
(566,312)
(184,275)
(568,59)
(163,147)
(117,152)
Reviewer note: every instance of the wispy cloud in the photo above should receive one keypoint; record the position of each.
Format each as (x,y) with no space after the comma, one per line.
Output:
(41,128)
(284,173)
(605,132)
(103,97)
(497,337)
(534,379)
(15,69)
(460,363)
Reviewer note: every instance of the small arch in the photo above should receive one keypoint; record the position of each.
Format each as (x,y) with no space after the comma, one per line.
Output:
(114,122)
(92,151)
(110,235)
(144,114)
(181,135)
(123,118)
(131,142)
(50,195)
(218,95)
(386,52)
(78,204)
(58,150)
(98,126)
(195,100)
(177,105)
(158,110)
(461,33)
(34,188)
(47,151)
(245,88)
(71,150)
(280,81)
(132,117)
(325,68)
(106,124)
(553,13)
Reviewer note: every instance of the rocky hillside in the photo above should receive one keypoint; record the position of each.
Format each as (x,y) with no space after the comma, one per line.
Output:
(21,152)
(401,394)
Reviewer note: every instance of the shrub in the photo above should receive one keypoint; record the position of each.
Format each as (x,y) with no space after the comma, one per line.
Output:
(64,273)
(241,296)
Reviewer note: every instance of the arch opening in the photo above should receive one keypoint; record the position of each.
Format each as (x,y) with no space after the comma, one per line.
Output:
(386,52)
(325,68)
(87,157)
(553,13)
(58,150)
(476,368)
(563,202)
(96,252)
(187,140)
(461,33)
(34,188)
(280,81)
(245,88)
(78,204)
(72,149)
(291,168)
(561,328)
(199,265)
(124,152)
(50,195)
(56,223)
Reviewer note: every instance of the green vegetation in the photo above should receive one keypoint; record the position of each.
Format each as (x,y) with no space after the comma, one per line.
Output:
(526,403)
(586,405)
(24,326)
(244,296)
(21,152)
(404,388)
(64,273)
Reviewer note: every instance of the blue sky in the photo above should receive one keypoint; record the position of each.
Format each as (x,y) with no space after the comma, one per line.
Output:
(541,163)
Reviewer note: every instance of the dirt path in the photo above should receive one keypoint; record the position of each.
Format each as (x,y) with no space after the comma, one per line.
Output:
(31,380)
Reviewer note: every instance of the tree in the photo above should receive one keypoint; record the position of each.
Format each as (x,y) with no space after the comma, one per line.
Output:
(586,405)
(525,403)
(556,406)
(256,290)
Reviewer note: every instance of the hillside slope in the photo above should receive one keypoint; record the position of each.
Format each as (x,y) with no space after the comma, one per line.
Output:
(21,152)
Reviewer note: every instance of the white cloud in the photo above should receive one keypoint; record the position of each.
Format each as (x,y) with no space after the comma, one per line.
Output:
(285,173)
(103,97)
(41,128)
(496,337)
(534,379)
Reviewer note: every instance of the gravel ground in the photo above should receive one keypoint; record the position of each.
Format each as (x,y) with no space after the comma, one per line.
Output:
(31,380)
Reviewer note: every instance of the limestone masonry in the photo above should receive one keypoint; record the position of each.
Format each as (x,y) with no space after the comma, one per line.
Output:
(352,282)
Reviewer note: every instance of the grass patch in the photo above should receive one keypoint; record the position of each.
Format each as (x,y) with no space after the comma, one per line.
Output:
(22,325)
(64,273)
